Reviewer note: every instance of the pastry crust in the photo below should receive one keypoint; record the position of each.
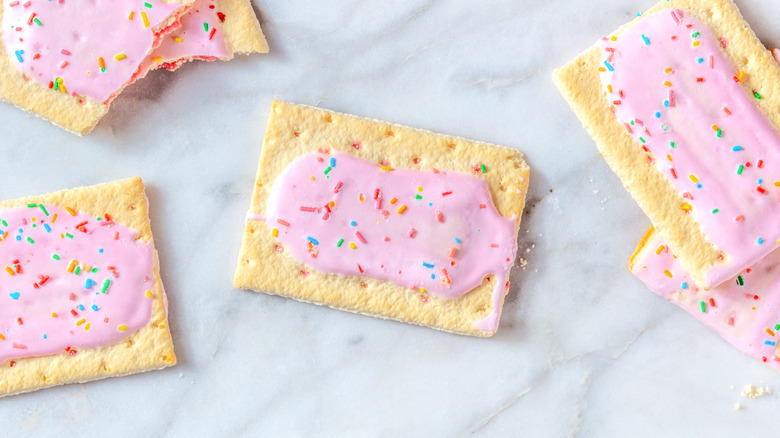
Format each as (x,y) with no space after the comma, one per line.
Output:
(242,30)
(147,349)
(580,84)
(294,130)
(77,115)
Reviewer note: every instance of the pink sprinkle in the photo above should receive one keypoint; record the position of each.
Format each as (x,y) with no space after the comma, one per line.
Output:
(64,52)
(19,346)
(338,187)
(628,128)
(482,206)
(671,97)
(27,5)
(452,252)
(360,237)
(494,245)
(379,203)
(310,209)
(675,18)
(283,222)
(63,64)
(712,62)
(411,232)
(386,238)
(12,4)
(439,216)
(726,110)
(325,216)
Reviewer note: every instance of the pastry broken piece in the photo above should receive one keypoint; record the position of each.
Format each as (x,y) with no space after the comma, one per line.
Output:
(211,30)
(383,220)
(80,288)
(684,104)
(744,310)
(65,61)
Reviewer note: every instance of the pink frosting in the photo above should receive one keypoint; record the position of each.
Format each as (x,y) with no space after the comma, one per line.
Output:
(680,97)
(67,38)
(200,36)
(69,282)
(744,310)
(434,231)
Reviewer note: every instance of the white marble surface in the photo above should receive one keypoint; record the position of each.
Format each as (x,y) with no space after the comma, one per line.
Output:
(583,349)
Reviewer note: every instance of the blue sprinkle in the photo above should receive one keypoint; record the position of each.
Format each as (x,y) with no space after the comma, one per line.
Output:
(45,336)
(95,307)
(19,238)
(685,285)
(19,54)
(21,230)
(646,40)
(89,283)
(736,148)
(772,343)
(81,307)
(313,240)
(666,103)
(100,250)
(430,204)
(433,276)
(457,240)
(15,295)
(428,265)
(353,223)
(332,162)
(700,60)
(48,228)
(609,66)
(698,186)
(760,241)
(658,115)
(760,181)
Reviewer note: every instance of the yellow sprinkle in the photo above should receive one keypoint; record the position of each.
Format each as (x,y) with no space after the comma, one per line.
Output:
(70,210)
(62,85)
(130,17)
(275,232)
(419,189)
(613,38)
(660,248)
(686,206)
(10,271)
(178,39)
(387,168)
(157,59)
(122,328)
(667,83)
(86,327)
(740,76)
(668,274)
(394,200)
(693,178)
(53,314)
(777,183)
(146,19)
(602,69)
(120,56)
(54,218)
(401,209)
(352,245)
(422,290)
(609,88)
(148,294)
(81,321)
(696,43)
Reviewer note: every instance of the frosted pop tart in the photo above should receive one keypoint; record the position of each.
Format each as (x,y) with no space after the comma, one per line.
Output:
(65,60)
(211,30)
(383,220)
(80,288)
(744,310)
(684,104)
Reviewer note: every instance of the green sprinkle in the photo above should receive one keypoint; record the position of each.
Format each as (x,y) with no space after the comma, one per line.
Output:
(32,205)
(673,145)
(719,134)
(777,326)
(418,197)
(703,307)
(482,166)
(642,139)
(327,171)
(715,211)
(43,209)
(29,239)
(38,22)
(740,281)
(5,224)
(55,256)
(205,26)
(632,122)
(740,169)
(77,270)
(695,34)
(68,235)
(93,270)
(105,285)
(758,96)
(148,5)
(35,225)
(97,219)
(341,241)
(57,83)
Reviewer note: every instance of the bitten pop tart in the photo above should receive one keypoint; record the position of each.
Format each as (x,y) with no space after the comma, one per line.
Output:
(383,220)
(65,61)
(684,104)
(80,288)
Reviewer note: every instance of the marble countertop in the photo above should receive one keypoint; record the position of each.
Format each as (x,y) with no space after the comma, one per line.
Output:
(584,349)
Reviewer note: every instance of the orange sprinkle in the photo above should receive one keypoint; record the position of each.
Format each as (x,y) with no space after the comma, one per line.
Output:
(401,209)
(10,271)
(394,200)
(771,333)
(660,248)
(668,274)
(70,211)
(130,17)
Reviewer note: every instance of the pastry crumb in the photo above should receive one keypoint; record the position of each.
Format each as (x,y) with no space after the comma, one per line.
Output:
(736,406)
(752,391)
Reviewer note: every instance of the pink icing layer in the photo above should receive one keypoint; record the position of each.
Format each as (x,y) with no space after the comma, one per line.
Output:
(744,310)
(680,97)
(435,231)
(199,37)
(51,306)
(73,35)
